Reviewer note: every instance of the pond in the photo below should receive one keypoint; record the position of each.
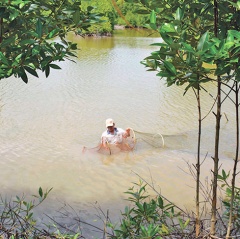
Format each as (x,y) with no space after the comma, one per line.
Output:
(46,123)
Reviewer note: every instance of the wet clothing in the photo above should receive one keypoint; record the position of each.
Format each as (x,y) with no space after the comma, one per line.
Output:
(113,138)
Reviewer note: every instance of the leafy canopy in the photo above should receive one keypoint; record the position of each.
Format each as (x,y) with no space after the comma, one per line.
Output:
(28,33)
(196,47)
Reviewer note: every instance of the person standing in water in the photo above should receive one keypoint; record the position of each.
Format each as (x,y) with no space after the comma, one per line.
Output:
(113,135)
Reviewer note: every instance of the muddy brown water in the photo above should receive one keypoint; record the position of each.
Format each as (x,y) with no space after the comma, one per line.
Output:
(45,124)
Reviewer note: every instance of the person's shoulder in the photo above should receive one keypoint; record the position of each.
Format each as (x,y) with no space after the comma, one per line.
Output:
(120,130)
(104,133)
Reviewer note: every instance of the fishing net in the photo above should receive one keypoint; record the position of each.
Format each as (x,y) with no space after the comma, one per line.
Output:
(136,138)
(154,140)
(158,140)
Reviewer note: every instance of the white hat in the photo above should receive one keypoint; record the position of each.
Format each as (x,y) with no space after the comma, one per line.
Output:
(109,122)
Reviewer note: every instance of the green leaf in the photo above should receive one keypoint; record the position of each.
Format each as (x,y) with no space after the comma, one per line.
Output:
(238,5)
(189,59)
(7,41)
(213,50)
(226,204)
(206,7)
(168,27)
(234,33)
(153,26)
(158,44)
(160,202)
(27,42)
(165,229)
(153,17)
(228,45)
(163,74)
(152,57)
(76,236)
(35,50)
(175,46)
(74,46)
(186,223)
(47,71)
(90,8)
(203,41)
(140,206)
(229,191)
(39,28)
(13,15)
(170,67)
(18,199)
(31,71)
(234,60)
(224,174)
(76,17)
(53,33)
(22,4)
(181,223)
(187,47)
(23,75)
(40,192)
(54,66)
(179,14)
(166,38)
(236,51)
(3,59)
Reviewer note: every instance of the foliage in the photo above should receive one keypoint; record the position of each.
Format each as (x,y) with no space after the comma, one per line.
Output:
(28,33)
(200,43)
(128,10)
(227,187)
(102,6)
(105,10)
(17,218)
(187,30)
(149,217)
(102,28)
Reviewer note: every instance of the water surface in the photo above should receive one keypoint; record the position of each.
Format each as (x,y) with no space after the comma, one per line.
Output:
(45,124)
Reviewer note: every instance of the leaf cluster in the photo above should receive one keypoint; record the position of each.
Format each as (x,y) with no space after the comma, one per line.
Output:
(223,178)
(17,217)
(28,33)
(193,50)
(149,217)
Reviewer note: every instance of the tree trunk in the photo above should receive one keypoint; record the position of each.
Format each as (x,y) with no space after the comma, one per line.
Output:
(198,165)
(1,31)
(235,163)
(216,160)
(217,137)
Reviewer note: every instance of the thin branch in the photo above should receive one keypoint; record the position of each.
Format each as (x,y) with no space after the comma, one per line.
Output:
(160,194)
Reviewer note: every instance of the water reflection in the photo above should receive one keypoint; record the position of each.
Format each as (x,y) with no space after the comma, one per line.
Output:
(136,32)
(92,42)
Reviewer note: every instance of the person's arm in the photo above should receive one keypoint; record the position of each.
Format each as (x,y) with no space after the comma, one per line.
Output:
(104,142)
(127,133)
